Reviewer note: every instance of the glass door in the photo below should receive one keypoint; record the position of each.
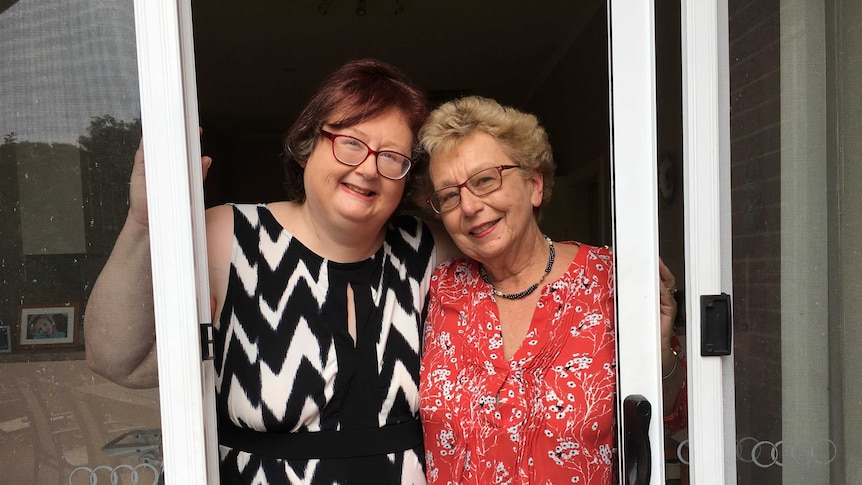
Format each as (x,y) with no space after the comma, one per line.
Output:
(795,90)
(773,218)
(73,102)
(687,186)
(633,148)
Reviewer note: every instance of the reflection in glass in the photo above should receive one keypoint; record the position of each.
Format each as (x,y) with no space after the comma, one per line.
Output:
(671,212)
(795,97)
(70,125)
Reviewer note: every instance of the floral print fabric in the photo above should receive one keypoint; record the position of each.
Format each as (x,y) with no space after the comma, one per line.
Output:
(544,417)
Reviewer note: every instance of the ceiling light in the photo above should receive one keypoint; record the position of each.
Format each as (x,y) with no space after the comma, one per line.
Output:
(360,9)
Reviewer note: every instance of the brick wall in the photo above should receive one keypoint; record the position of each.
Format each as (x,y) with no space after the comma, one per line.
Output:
(756,195)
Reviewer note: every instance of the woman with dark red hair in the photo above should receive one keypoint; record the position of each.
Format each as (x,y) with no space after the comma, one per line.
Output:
(317,301)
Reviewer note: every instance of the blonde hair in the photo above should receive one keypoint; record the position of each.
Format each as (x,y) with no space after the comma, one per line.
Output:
(519,134)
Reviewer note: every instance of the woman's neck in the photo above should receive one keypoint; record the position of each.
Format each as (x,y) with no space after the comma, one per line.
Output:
(344,243)
(521,266)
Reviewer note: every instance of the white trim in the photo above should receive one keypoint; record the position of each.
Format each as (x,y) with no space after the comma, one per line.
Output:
(706,181)
(167,150)
(199,230)
(634,134)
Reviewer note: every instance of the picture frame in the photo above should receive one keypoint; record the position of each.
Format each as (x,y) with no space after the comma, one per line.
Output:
(48,326)
(5,339)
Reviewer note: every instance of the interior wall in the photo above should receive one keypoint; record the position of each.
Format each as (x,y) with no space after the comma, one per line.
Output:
(245,169)
(573,106)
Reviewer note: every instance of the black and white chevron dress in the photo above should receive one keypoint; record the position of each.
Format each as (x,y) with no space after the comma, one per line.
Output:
(288,373)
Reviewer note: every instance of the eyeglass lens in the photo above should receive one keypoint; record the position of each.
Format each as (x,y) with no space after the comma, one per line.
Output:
(353,151)
(479,184)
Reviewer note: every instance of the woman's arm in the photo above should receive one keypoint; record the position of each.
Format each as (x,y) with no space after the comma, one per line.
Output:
(119,327)
(673,369)
(119,321)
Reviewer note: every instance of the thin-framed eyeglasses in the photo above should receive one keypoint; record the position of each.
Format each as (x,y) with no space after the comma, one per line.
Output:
(480,183)
(353,151)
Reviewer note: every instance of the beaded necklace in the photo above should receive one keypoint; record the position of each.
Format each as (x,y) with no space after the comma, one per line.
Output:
(522,294)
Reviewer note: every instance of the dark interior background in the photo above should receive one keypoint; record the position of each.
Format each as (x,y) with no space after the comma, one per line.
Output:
(259,61)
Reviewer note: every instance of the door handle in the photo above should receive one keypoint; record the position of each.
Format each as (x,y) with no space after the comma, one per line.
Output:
(637,412)
(716,325)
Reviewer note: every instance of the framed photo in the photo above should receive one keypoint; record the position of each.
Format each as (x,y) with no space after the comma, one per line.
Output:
(48,327)
(5,339)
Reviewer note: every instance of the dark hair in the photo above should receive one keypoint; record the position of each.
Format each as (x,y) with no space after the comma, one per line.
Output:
(359,90)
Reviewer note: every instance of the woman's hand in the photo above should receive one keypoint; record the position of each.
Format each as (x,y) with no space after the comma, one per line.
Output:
(672,368)
(667,303)
(138,189)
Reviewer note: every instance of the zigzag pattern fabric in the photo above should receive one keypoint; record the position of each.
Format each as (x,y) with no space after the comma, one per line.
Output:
(286,363)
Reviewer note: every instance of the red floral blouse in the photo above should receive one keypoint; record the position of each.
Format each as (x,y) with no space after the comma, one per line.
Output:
(544,417)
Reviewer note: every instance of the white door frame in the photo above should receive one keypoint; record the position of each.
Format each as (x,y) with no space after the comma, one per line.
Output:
(635,211)
(706,169)
(169,117)
(174,193)
(706,178)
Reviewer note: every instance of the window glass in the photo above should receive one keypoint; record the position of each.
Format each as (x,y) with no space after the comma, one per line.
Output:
(70,125)
(671,222)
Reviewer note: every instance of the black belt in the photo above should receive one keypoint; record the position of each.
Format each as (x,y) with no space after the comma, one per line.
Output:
(348,443)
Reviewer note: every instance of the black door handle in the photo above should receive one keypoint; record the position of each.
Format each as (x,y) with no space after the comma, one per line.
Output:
(637,412)
(716,325)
